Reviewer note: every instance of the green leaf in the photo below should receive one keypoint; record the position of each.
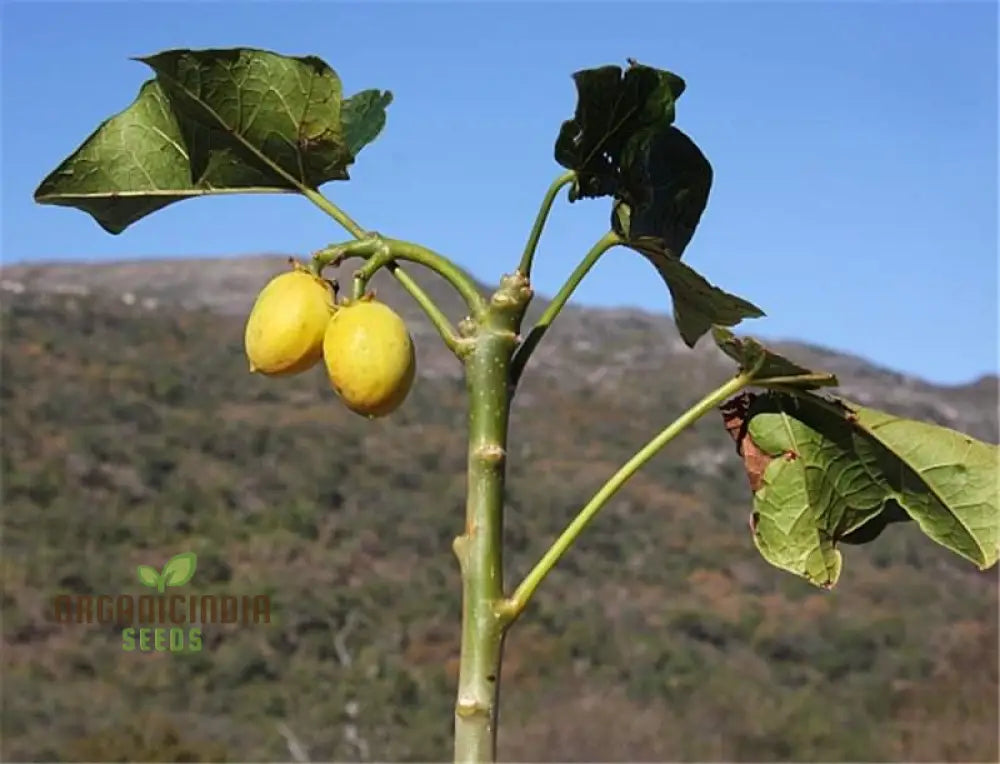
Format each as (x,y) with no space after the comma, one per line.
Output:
(180,569)
(148,576)
(363,117)
(612,107)
(621,143)
(217,121)
(818,485)
(773,368)
(947,481)
(698,305)
(893,513)
(665,185)
(826,471)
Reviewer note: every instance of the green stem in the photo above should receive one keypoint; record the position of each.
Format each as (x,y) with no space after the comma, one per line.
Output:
(543,213)
(795,382)
(606,242)
(332,210)
(514,605)
(479,548)
(436,316)
(396,249)
(380,251)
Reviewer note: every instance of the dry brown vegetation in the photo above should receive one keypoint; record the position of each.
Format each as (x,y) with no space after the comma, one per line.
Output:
(133,432)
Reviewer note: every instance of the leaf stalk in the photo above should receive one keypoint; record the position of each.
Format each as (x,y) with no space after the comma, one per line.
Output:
(540,219)
(329,208)
(606,242)
(516,603)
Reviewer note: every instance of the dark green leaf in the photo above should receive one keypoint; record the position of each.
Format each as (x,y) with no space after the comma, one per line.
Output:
(134,164)
(665,183)
(698,305)
(621,142)
(217,121)
(774,368)
(612,107)
(363,117)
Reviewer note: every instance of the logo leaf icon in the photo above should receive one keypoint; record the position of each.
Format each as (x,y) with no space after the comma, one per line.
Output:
(179,569)
(148,576)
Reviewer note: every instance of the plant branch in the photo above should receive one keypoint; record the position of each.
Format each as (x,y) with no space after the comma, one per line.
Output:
(606,242)
(379,251)
(330,209)
(515,604)
(543,213)
(434,313)
(395,249)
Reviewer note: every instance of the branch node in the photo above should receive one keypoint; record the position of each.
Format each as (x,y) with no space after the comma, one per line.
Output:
(469,707)
(491,453)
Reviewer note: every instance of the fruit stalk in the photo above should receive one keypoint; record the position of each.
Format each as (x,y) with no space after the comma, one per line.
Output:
(479,548)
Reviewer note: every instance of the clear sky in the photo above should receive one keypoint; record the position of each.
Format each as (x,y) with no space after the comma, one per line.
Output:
(854,147)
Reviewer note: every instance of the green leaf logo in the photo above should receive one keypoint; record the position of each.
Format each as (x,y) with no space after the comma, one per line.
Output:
(148,576)
(177,572)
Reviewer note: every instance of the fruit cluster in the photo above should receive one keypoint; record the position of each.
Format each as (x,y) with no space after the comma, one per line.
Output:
(366,347)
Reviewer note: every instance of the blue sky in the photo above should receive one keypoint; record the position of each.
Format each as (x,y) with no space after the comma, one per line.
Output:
(854,147)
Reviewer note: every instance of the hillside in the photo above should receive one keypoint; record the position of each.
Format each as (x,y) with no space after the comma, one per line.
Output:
(132,431)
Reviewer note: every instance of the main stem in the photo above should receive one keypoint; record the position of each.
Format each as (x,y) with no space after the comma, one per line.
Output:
(479,548)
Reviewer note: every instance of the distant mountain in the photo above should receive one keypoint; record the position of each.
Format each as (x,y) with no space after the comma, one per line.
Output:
(640,341)
(132,431)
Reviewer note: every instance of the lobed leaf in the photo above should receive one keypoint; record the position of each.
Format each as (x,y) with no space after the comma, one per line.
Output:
(947,481)
(826,471)
(698,305)
(665,182)
(217,121)
(612,107)
(622,143)
(363,117)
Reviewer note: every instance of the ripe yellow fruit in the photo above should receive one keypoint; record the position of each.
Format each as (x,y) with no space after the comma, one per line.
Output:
(369,357)
(284,333)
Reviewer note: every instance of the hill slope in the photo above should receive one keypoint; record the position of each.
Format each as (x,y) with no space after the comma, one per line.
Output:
(132,431)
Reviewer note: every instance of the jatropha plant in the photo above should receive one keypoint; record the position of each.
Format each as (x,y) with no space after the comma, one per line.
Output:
(823,471)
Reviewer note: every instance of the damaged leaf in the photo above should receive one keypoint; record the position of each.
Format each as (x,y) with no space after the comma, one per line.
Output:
(622,144)
(755,461)
(612,108)
(826,471)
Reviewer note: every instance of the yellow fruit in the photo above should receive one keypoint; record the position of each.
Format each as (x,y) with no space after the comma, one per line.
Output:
(284,334)
(369,357)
